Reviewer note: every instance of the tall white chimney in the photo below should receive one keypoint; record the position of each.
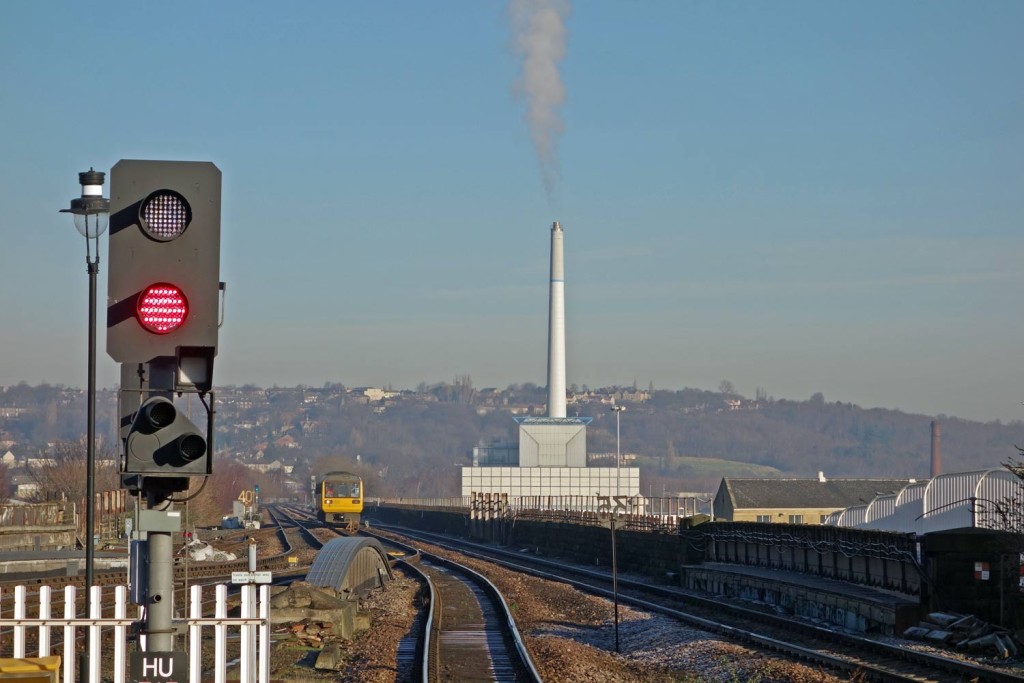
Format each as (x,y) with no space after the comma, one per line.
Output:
(556,327)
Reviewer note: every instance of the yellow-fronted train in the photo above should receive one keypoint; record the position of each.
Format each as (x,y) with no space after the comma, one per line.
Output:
(341,498)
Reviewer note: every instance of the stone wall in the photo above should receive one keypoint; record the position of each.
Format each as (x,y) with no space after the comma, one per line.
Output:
(41,526)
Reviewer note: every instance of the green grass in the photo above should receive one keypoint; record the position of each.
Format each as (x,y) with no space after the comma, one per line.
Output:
(695,468)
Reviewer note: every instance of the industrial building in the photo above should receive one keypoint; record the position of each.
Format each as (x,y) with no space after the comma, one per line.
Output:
(551,458)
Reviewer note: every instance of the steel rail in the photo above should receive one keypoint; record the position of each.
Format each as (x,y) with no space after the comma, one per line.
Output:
(520,665)
(893,653)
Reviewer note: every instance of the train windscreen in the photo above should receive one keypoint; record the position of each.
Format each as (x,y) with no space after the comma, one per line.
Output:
(341,489)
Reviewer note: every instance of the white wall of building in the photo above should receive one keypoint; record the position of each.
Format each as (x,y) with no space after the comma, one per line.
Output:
(551,481)
(552,445)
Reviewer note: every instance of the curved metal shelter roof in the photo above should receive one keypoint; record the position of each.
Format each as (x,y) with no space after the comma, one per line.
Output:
(880,509)
(909,508)
(351,564)
(949,501)
(969,499)
(853,516)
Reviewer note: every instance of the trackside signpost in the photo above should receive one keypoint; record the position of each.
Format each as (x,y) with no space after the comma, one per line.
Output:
(613,521)
(243,578)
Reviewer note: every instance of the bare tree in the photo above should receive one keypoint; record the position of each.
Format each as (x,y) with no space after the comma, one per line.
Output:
(5,483)
(465,392)
(213,500)
(1012,507)
(62,475)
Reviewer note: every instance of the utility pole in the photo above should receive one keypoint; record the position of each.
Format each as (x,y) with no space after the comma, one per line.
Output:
(618,410)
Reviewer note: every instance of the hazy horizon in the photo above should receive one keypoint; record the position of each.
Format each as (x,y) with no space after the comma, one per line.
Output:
(644,386)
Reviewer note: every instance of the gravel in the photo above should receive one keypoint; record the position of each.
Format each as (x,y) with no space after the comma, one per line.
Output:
(570,636)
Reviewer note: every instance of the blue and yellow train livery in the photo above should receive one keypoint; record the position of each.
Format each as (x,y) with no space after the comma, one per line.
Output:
(341,498)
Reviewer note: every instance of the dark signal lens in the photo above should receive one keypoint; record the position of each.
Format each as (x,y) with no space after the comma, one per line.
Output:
(161,414)
(192,447)
(162,308)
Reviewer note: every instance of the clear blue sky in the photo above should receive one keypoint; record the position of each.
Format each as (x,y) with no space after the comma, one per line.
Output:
(799,196)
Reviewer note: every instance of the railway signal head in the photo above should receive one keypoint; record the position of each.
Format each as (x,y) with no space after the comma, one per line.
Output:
(163,442)
(163,285)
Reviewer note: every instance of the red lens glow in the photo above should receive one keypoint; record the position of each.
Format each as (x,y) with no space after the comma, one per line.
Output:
(162,308)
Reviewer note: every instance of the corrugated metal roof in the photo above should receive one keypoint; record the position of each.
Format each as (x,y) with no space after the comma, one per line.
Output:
(351,564)
(980,498)
(808,493)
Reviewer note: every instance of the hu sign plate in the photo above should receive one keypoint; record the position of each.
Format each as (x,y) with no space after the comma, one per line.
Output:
(158,667)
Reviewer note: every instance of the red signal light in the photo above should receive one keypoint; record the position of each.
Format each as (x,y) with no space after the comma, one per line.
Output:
(162,308)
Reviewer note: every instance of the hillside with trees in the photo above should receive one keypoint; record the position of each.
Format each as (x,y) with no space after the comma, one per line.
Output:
(411,443)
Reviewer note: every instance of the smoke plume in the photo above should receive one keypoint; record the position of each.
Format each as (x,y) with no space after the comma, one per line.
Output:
(538,28)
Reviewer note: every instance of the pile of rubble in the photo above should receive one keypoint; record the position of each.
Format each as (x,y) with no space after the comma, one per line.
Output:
(200,551)
(317,618)
(310,633)
(967,633)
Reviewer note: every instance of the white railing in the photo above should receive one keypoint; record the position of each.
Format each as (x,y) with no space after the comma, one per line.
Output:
(252,649)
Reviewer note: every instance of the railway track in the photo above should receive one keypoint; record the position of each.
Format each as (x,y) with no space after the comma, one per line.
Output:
(468,632)
(182,570)
(864,657)
(472,633)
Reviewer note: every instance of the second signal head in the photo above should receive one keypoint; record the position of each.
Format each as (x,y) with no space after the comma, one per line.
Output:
(162,442)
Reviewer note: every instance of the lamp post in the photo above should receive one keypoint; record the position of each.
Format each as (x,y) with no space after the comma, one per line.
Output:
(91,212)
(618,455)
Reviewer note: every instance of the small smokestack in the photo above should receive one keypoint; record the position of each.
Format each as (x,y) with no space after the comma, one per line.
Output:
(936,449)
(556,327)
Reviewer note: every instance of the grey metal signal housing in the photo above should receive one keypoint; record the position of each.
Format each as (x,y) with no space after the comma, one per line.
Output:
(164,229)
(162,442)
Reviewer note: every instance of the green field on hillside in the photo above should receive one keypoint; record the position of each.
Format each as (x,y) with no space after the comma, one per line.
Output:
(717,467)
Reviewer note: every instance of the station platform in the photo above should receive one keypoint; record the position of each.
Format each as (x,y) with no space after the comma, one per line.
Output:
(31,565)
(836,604)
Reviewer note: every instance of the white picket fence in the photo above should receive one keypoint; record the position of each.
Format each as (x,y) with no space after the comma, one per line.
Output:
(252,653)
